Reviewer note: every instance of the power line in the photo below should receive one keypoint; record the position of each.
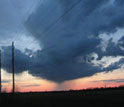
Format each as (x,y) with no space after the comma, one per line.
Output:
(65,13)
(59,18)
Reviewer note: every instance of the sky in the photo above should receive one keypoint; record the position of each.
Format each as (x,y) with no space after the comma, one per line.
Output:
(62,45)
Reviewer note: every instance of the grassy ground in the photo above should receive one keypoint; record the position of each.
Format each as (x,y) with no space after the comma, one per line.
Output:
(85,98)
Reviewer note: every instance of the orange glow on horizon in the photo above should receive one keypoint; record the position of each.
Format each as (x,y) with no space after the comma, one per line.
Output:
(28,83)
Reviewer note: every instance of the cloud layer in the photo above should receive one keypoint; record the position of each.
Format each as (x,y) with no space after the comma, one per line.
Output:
(68,31)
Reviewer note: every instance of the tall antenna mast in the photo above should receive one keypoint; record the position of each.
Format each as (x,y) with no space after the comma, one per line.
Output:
(0,75)
(13,69)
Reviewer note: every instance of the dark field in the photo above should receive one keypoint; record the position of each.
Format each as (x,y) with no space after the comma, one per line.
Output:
(85,98)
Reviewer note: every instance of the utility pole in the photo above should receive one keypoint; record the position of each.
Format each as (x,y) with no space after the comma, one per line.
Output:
(13,69)
(0,75)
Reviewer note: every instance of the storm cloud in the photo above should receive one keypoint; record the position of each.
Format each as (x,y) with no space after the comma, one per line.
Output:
(68,33)
(21,60)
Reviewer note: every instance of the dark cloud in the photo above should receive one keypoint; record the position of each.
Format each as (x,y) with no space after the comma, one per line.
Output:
(112,49)
(119,2)
(115,65)
(21,60)
(115,50)
(39,65)
(68,31)
(74,32)
(61,71)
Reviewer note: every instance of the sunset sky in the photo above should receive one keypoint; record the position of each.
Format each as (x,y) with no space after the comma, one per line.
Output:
(62,44)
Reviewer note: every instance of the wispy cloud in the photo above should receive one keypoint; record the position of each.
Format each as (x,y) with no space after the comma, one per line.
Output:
(111,80)
(5,81)
(32,85)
